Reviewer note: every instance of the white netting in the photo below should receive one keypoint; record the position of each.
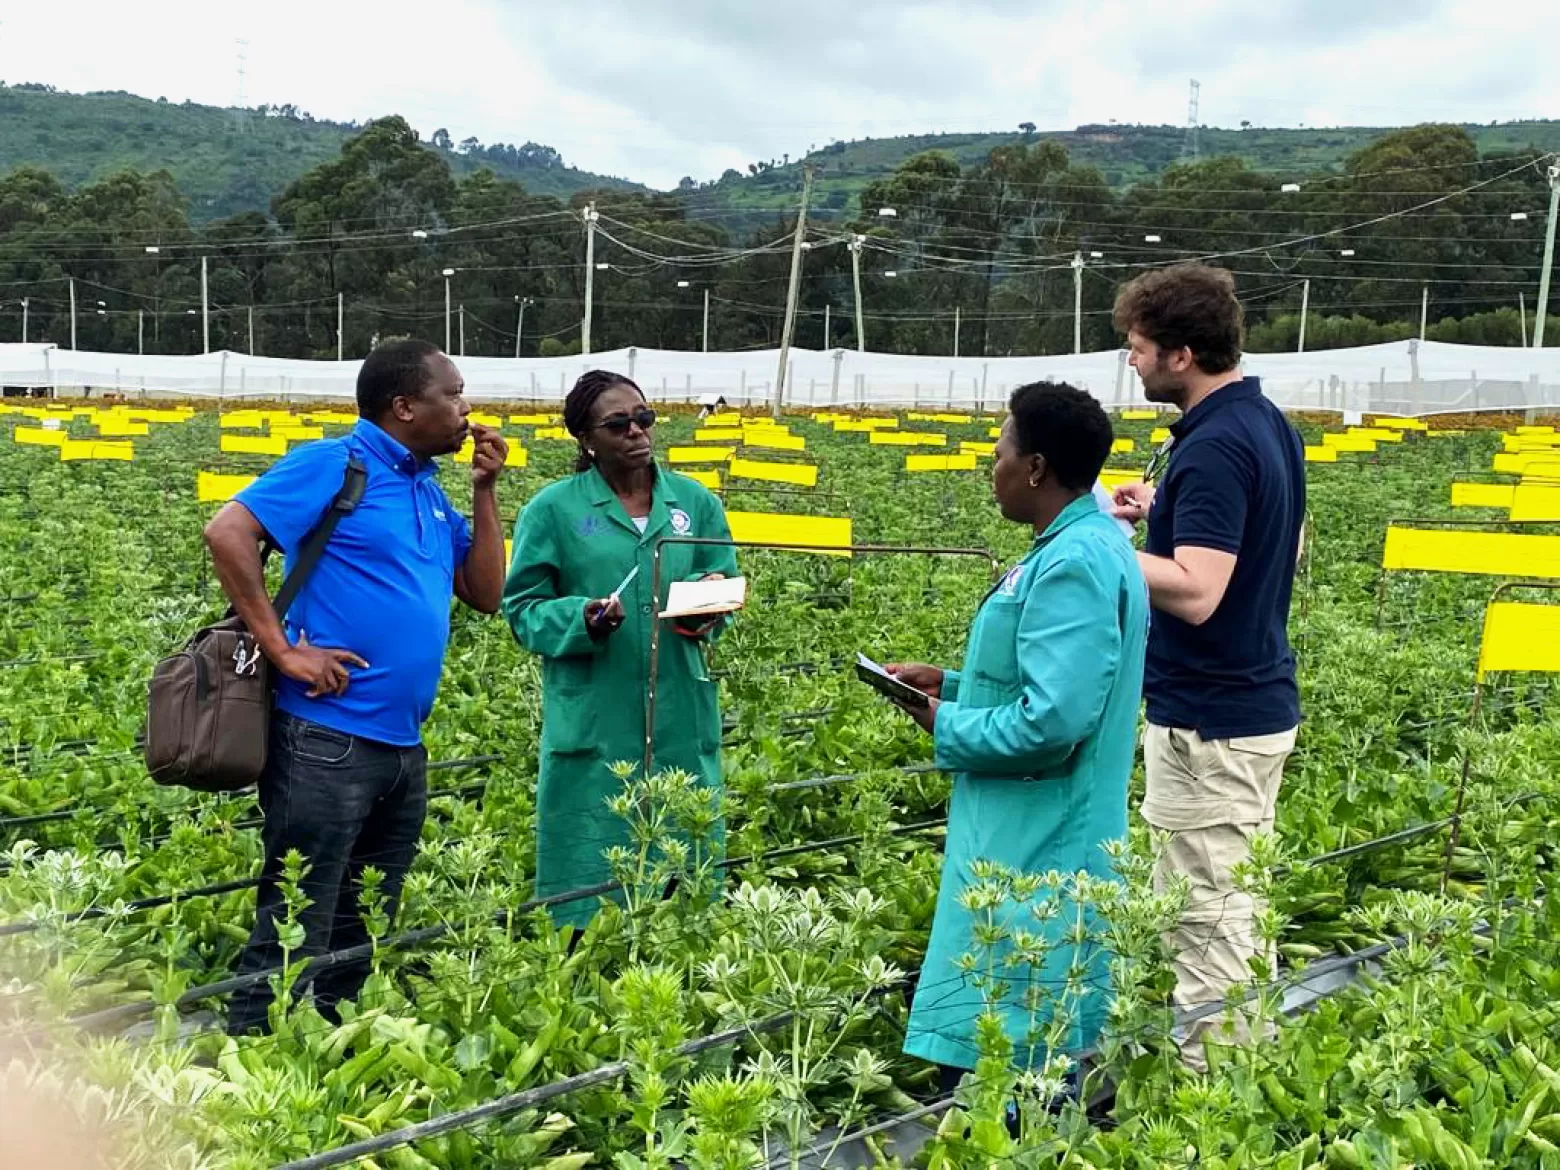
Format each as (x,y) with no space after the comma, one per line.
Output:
(1405,377)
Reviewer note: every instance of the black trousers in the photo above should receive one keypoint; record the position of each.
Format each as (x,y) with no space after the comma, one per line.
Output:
(344,803)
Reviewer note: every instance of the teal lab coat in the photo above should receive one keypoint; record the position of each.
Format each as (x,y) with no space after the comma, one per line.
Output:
(1039,729)
(574,543)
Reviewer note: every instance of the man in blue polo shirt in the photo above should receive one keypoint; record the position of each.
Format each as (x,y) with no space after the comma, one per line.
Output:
(358,658)
(1223,537)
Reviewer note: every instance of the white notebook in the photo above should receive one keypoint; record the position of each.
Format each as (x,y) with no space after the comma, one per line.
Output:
(705,598)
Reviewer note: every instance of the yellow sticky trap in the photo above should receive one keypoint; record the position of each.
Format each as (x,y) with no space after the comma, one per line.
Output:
(1377,434)
(1536,501)
(72,451)
(242,420)
(677,455)
(1496,554)
(1321,454)
(801,474)
(716,435)
(827,534)
(854,426)
(532,420)
(330,418)
(485,420)
(1139,415)
(710,479)
(465,452)
(1520,636)
(1446,434)
(723,420)
(939,462)
(254,445)
(1523,462)
(954,419)
(118,429)
(300,434)
(159,416)
(1482,495)
(1159,435)
(907,439)
(1355,443)
(1113,477)
(1122,447)
(213,486)
(1400,424)
(557,433)
(773,442)
(993,432)
(1536,430)
(969,447)
(509,551)
(38,437)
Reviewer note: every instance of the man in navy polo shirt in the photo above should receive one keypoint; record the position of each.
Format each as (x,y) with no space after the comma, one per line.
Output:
(1223,537)
(359,656)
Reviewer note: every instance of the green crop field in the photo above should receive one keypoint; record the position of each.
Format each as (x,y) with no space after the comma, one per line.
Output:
(122,903)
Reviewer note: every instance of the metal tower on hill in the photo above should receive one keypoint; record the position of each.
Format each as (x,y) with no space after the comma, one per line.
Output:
(1190,147)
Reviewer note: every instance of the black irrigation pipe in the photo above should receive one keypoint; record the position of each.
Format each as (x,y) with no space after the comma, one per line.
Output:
(150,903)
(515,1102)
(127,1012)
(66,814)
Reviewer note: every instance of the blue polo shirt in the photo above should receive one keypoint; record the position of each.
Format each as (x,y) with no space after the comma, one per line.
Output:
(1234,481)
(383,587)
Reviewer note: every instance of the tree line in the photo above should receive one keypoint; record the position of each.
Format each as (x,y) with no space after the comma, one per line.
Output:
(984,257)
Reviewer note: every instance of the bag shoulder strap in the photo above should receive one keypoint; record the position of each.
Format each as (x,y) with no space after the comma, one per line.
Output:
(346,501)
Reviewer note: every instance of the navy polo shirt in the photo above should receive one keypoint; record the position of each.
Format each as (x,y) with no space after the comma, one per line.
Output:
(1234,481)
(382,588)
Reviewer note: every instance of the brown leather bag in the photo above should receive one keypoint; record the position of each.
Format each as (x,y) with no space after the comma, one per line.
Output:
(208,711)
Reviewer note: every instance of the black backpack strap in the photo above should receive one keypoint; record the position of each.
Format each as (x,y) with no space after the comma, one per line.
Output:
(313,547)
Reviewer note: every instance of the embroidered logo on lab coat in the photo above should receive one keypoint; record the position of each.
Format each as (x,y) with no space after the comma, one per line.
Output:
(682,523)
(589,525)
(1010,580)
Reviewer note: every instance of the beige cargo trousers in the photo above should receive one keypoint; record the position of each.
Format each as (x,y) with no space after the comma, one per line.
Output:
(1211,797)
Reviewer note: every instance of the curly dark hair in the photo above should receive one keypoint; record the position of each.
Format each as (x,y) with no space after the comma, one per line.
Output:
(582,400)
(1066,426)
(1186,305)
(397,369)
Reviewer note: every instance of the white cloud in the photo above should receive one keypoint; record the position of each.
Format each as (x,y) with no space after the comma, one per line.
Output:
(655,89)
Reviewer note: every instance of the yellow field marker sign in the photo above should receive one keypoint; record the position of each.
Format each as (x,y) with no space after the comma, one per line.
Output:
(558,434)
(774,441)
(969,447)
(254,445)
(939,462)
(1536,501)
(1122,447)
(73,451)
(717,435)
(801,474)
(1139,415)
(1346,442)
(993,432)
(1159,435)
(1482,495)
(483,419)
(213,486)
(1522,462)
(298,434)
(1321,454)
(710,479)
(1400,424)
(907,439)
(119,428)
(330,418)
(723,420)
(817,532)
(1535,430)
(39,437)
(242,420)
(1378,434)
(676,455)
(865,425)
(518,456)
(1113,477)
(1451,550)
(1519,636)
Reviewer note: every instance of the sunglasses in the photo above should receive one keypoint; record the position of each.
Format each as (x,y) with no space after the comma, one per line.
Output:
(618,424)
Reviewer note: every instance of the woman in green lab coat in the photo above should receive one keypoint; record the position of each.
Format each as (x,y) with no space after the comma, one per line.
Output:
(1038,728)
(577,543)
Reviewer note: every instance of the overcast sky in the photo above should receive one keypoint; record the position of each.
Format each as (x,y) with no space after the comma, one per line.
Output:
(656,89)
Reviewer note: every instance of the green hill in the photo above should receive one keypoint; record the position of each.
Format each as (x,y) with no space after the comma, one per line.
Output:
(1125,155)
(224,160)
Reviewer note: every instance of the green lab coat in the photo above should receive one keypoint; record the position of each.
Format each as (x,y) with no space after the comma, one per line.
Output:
(1039,730)
(574,543)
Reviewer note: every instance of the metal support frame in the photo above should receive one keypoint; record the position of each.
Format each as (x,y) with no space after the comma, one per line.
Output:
(712,542)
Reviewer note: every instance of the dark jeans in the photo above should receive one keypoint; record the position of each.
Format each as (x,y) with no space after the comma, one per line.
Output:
(344,803)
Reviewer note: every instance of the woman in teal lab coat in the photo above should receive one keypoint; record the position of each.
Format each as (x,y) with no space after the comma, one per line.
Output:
(1038,728)
(576,543)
